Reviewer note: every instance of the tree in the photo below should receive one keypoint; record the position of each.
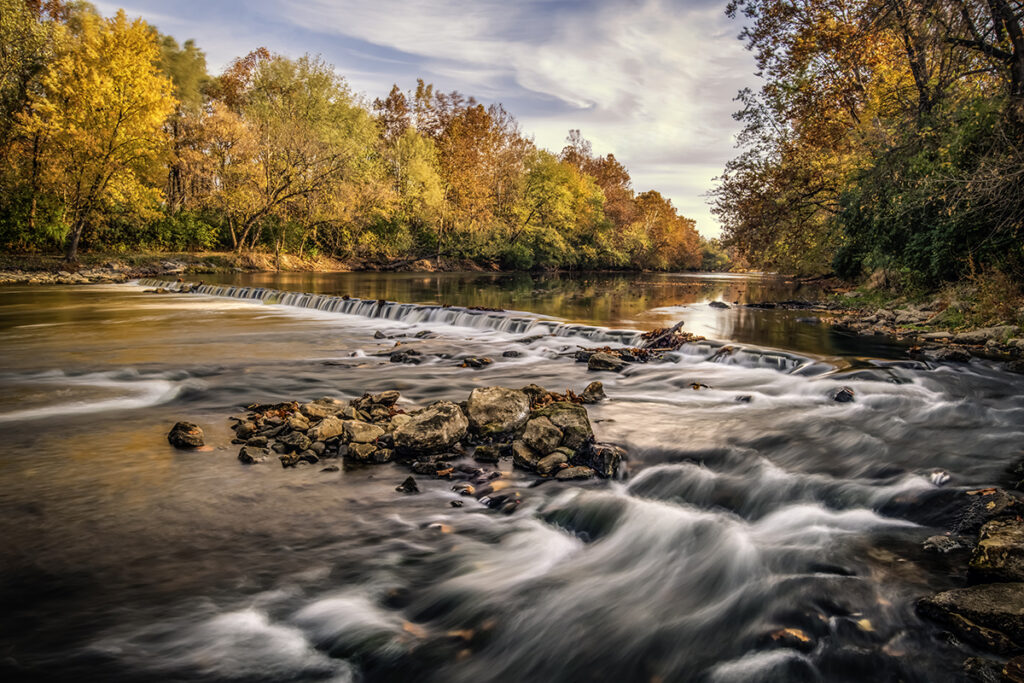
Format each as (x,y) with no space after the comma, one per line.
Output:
(100,113)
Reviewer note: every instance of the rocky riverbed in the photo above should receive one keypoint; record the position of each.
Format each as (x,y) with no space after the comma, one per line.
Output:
(475,442)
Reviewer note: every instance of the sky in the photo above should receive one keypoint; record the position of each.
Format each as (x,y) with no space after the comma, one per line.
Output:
(650,81)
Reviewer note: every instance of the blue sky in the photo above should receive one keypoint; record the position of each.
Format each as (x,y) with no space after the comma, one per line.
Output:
(650,81)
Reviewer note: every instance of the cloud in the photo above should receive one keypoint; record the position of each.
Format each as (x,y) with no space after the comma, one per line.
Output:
(650,81)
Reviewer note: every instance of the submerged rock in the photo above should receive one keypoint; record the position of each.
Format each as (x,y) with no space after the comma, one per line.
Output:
(843,395)
(432,429)
(408,486)
(497,410)
(186,435)
(990,616)
(250,455)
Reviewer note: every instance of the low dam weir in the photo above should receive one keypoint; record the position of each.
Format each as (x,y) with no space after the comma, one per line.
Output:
(510,323)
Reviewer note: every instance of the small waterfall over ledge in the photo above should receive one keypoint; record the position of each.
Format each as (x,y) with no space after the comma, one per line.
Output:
(512,323)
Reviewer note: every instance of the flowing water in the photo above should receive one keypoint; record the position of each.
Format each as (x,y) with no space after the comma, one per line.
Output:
(125,560)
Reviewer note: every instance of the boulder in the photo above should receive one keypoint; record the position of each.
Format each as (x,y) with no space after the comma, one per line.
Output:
(999,555)
(361,451)
(322,407)
(386,398)
(602,458)
(432,429)
(250,455)
(257,441)
(328,428)
(571,473)
(990,616)
(362,432)
(718,304)
(489,452)
(523,456)
(497,410)
(593,393)
(185,435)
(397,421)
(605,361)
(571,419)
(551,463)
(295,442)
(982,335)
(542,435)
(297,423)
(985,505)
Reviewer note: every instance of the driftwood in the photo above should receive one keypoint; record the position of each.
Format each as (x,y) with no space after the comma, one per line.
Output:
(656,339)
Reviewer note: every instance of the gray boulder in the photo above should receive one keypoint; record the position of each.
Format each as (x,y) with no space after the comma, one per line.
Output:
(982,335)
(551,463)
(571,419)
(606,361)
(523,456)
(250,455)
(497,410)
(432,429)
(362,432)
(542,435)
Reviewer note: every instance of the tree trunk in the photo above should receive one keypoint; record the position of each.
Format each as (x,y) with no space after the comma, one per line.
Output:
(71,249)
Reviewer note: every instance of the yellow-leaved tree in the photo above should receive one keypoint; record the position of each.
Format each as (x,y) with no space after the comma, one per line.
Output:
(100,114)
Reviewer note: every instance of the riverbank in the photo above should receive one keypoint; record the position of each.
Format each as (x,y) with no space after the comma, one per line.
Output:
(107,267)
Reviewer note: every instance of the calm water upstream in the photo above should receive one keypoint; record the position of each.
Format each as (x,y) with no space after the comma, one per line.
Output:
(125,560)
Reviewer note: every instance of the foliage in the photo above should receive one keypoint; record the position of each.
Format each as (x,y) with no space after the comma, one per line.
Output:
(887,134)
(118,138)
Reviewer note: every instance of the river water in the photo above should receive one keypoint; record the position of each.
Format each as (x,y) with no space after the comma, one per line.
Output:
(125,560)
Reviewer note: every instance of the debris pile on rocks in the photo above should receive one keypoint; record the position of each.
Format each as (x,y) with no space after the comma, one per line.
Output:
(656,343)
(533,429)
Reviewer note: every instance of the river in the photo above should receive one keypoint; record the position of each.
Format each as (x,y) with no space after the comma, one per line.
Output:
(772,540)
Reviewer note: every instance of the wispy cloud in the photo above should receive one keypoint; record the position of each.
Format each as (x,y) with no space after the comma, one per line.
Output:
(651,81)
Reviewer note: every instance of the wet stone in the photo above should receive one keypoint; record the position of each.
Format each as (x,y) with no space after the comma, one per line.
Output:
(601,361)
(408,486)
(990,616)
(250,455)
(999,555)
(573,473)
(186,435)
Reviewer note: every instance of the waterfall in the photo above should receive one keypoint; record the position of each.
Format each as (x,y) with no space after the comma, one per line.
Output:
(513,323)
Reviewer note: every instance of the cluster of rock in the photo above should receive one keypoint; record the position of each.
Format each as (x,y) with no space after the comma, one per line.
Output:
(988,613)
(908,323)
(85,276)
(538,430)
(655,345)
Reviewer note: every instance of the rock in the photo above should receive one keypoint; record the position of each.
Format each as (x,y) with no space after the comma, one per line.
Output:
(475,362)
(947,355)
(432,429)
(718,304)
(297,423)
(935,336)
(984,506)
(744,398)
(541,435)
(362,432)
(431,468)
(571,419)
(990,616)
(602,458)
(497,410)
(944,544)
(406,357)
(379,335)
(319,447)
(843,395)
(331,468)
(289,459)
(257,442)
(245,429)
(279,447)
(361,451)
(186,435)
(464,489)
(295,441)
(250,455)
(397,421)
(386,398)
(512,353)
(455,503)
(999,555)
(382,455)
(573,473)
(490,452)
(1013,670)
(601,361)
(550,463)
(982,335)
(593,393)
(523,456)
(322,407)
(329,427)
(408,486)
(309,456)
